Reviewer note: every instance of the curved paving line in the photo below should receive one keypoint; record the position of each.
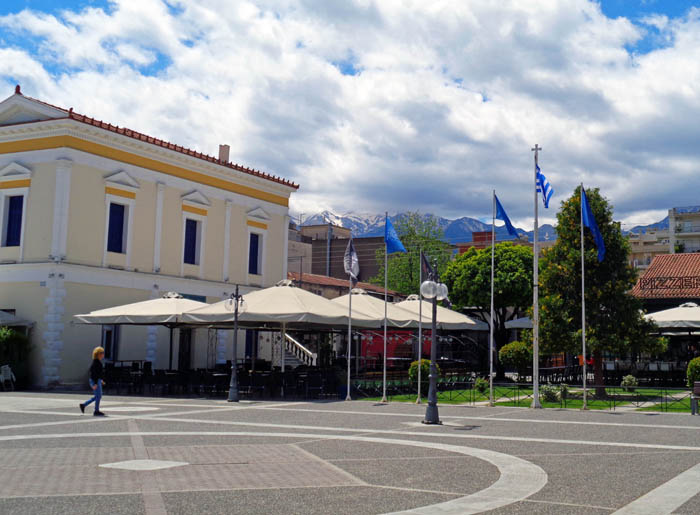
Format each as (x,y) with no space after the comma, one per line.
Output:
(518,479)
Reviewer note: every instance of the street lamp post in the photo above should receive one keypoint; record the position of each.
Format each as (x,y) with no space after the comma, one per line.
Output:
(233,385)
(434,291)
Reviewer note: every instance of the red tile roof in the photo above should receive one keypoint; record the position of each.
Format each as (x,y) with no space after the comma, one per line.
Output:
(323,280)
(670,276)
(70,114)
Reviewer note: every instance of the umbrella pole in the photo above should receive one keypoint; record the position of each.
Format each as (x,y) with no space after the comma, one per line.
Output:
(170,366)
(347,395)
(284,346)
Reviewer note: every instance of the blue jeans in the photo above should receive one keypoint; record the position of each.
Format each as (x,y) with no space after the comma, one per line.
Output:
(98,395)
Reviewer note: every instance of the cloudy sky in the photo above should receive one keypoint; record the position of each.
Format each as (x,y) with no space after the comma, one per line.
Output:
(388,104)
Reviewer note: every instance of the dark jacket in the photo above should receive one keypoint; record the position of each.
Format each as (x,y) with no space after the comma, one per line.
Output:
(96,371)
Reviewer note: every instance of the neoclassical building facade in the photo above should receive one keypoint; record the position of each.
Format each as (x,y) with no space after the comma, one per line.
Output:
(94,215)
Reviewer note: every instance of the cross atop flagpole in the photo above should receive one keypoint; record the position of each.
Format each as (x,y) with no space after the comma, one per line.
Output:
(535,300)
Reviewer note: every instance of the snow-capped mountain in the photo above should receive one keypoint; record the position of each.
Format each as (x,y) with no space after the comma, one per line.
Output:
(455,231)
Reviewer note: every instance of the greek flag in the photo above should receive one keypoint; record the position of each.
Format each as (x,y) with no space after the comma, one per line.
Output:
(544,187)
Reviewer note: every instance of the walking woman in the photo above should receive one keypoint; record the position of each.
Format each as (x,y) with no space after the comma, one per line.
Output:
(96,382)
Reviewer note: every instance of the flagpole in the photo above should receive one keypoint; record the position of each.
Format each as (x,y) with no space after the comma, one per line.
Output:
(583,309)
(420,320)
(386,217)
(347,396)
(535,304)
(493,251)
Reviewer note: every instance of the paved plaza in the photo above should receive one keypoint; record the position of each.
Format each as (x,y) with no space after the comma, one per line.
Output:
(190,456)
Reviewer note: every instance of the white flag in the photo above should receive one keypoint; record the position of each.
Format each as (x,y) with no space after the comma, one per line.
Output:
(351,263)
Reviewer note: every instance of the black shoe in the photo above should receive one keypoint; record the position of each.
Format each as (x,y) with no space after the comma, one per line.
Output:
(99,414)
(82,408)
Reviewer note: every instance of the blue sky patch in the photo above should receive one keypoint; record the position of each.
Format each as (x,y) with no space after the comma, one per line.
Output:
(347,66)
(51,6)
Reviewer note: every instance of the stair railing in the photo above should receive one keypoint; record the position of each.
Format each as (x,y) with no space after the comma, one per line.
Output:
(302,353)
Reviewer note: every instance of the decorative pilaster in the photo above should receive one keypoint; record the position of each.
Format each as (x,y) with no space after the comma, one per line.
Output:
(222,339)
(53,336)
(152,335)
(227,239)
(160,192)
(285,250)
(60,209)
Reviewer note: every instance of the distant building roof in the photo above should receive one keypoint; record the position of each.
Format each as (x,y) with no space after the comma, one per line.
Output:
(670,276)
(323,280)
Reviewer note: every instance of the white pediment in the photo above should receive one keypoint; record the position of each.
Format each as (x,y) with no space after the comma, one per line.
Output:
(196,197)
(122,180)
(258,213)
(20,109)
(15,171)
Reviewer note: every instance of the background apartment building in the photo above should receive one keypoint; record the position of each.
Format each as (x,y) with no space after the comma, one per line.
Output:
(684,229)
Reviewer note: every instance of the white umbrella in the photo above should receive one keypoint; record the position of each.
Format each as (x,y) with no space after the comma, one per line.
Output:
(447,319)
(165,310)
(365,303)
(684,316)
(519,323)
(283,303)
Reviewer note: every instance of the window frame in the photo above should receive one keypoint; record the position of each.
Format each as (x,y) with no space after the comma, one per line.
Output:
(127,238)
(5,214)
(201,241)
(262,251)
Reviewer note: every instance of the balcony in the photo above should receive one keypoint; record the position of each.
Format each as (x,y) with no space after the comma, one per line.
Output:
(687,228)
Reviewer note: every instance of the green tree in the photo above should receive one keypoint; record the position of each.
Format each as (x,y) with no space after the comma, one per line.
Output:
(517,355)
(416,232)
(614,320)
(468,278)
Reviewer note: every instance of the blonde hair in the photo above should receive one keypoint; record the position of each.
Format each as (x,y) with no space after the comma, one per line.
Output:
(97,351)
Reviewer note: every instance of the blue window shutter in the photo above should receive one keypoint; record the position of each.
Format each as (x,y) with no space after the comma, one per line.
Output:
(115,235)
(253,254)
(14,221)
(190,242)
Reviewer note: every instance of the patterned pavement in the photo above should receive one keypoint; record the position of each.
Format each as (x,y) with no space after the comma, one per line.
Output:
(161,455)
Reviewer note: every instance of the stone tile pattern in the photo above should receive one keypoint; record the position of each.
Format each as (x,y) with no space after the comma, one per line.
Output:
(46,472)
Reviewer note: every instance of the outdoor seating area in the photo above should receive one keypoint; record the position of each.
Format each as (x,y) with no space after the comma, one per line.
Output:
(138,378)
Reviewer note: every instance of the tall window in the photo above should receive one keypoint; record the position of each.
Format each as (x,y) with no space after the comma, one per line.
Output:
(110,342)
(116,236)
(192,241)
(13,221)
(255,254)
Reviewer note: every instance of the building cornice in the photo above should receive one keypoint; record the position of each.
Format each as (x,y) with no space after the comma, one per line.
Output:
(68,133)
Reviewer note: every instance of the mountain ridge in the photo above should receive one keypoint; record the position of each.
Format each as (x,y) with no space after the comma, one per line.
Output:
(455,231)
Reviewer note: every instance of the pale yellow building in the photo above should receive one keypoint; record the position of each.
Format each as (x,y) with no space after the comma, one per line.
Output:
(95,215)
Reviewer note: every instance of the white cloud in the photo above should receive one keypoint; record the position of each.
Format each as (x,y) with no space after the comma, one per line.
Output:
(448,101)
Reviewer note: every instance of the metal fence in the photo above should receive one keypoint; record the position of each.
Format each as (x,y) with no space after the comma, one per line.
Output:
(464,391)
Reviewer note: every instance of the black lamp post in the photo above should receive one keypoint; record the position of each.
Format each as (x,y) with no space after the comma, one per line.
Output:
(433,290)
(233,385)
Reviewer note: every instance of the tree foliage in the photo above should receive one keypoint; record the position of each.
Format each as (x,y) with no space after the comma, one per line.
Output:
(468,278)
(416,232)
(517,355)
(14,351)
(614,321)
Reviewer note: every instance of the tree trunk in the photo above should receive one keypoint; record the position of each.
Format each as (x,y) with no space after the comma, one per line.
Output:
(598,378)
